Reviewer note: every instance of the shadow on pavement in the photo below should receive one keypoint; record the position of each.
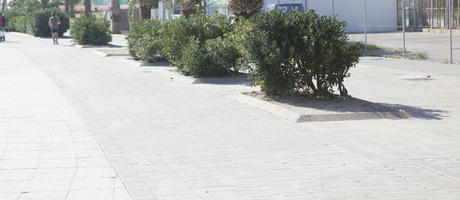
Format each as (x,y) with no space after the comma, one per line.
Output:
(353,106)
(156,64)
(235,79)
(417,112)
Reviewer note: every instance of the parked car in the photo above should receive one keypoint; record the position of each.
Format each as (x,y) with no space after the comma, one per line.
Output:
(285,7)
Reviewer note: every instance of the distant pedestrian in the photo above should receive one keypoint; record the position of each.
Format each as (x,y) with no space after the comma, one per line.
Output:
(2,22)
(54,23)
(2,27)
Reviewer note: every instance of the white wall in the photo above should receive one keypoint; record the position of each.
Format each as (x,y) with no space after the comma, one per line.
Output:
(381,14)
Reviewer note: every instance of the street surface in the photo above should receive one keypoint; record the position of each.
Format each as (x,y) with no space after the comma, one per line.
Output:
(435,45)
(76,125)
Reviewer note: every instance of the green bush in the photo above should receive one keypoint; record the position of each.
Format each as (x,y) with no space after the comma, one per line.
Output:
(183,39)
(90,30)
(217,58)
(16,21)
(300,52)
(143,40)
(39,22)
(201,45)
(19,24)
(174,36)
(223,53)
(198,62)
(11,16)
(36,22)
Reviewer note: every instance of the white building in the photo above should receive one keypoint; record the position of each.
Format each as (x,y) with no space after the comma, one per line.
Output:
(381,15)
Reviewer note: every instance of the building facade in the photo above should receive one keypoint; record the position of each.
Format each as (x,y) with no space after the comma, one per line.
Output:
(381,15)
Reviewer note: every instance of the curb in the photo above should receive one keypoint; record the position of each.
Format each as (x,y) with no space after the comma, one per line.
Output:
(129,61)
(103,54)
(299,117)
(23,34)
(397,114)
(270,107)
(99,53)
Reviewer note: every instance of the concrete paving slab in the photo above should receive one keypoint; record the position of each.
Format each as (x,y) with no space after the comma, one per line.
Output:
(39,157)
(173,139)
(303,109)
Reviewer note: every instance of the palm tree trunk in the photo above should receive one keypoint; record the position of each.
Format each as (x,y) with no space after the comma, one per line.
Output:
(72,11)
(145,12)
(4,5)
(116,16)
(87,8)
(205,5)
(66,7)
(146,7)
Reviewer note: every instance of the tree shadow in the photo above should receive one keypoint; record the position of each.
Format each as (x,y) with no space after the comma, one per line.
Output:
(60,37)
(354,106)
(417,112)
(232,79)
(156,64)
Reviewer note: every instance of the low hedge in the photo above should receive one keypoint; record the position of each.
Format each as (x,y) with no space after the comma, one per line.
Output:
(19,24)
(36,23)
(92,31)
(184,38)
(143,40)
(287,54)
(39,22)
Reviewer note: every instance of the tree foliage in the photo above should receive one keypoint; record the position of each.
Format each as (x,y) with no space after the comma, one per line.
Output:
(245,8)
(146,6)
(300,53)
(189,7)
(90,30)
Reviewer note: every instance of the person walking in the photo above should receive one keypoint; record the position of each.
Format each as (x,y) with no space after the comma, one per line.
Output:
(2,27)
(54,23)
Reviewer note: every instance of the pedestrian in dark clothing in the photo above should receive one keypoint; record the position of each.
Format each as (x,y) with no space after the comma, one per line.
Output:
(2,27)
(2,21)
(54,23)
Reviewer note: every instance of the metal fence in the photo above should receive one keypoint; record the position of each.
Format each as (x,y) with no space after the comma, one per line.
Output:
(423,33)
(429,13)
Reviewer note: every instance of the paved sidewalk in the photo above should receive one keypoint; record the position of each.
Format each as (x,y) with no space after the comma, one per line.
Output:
(172,137)
(46,151)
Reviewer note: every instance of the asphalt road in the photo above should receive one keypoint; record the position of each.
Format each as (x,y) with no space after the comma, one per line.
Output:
(435,45)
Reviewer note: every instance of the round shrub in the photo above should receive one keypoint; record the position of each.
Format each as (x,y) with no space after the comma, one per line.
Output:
(12,16)
(39,22)
(90,30)
(35,22)
(300,52)
(180,37)
(144,40)
(223,53)
(19,24)
(198,62)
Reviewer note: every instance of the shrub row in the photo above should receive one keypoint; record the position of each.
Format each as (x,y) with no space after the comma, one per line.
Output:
(198,45)
(36,22)
(143,40)
(90,30)
(287,54)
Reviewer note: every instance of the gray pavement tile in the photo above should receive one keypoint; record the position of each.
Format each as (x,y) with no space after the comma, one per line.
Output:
(172,139)
(54,195)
